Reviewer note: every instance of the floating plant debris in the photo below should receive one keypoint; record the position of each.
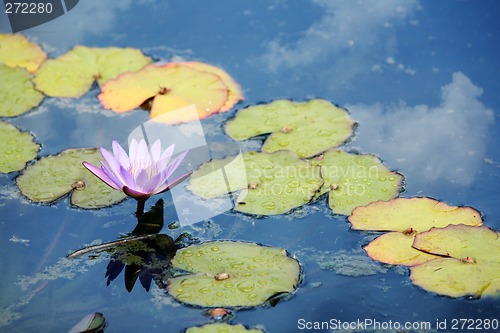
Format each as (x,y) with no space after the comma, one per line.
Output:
(17,93)
(471,263)
(270,184)
(170,87)
(16,148)
(17,51)
(307,128)
(232,274)
(73,73)
(222,328)
(52,177)
(354,180)
(406,217)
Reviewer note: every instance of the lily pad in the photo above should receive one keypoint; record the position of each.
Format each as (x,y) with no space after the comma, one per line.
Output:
(271,183)
(16,148)
(235,94)
(73,73)
(307,128)
(232,274)
(17,94)
(170,87)
(52,177)
(406,217)
(222,328)
(17,51)
(471,266)
(354,180)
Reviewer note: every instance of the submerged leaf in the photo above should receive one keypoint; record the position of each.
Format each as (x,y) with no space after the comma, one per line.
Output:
(271,183)
(354,180)
(16,148)
(232,274)
(52,177)
(73,73)
(471,266)
(17,51)
(17,94)
(222,328)
(307,128)
(170,87)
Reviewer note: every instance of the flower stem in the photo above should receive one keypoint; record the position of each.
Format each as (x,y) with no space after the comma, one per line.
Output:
(140,206)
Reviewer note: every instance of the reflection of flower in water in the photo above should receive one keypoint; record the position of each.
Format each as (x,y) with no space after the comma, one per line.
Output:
(142,172)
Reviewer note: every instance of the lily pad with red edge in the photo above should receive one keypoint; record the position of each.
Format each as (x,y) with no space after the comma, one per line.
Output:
(269,184)
(233,274)
(406,217)
(354,180)
(170,87)
(17,94)
(222,328)
(16,148)
(73,73)
(17,51)
(307,128)
(55,176)
(470,265)
(235,94)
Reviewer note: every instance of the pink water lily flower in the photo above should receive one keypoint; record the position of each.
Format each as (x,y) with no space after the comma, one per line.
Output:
(142,172)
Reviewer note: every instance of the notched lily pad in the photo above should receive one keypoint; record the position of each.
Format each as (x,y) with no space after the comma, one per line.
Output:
(73,73)
(222,328)
(471,266)
(52,177)
(16,148)
(233,274)
(167,88)
(17,94)
(17,51)
(406,217)
(354,180)
(307,128)
(270,184)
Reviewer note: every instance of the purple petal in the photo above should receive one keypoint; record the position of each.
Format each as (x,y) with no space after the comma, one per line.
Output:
(141,179)
(175,163)
(100,174)
(132,150)
(168,152)
(113,164)
(114,179)
(127,178)
(142,154)
(156,150)
(135,194)
(153,183)
(167,186)
(120,155)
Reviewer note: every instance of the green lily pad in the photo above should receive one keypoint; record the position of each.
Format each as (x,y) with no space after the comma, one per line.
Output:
(232,274)
(17,94)
(306,128)
(471,266)
(17,51)
(406,217)
(271,183)
(16,148)
(222,328)
(73,73)
(52,177)
(354,180)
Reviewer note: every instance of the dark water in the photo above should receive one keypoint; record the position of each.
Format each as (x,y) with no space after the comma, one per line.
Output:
(420,78)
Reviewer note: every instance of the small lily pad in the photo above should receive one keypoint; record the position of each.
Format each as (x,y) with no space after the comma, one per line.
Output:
(52,177)
(354,180)
(73,73)
(232,274)
(17,51)
(271,183)
(16,148)
(170,87)
(222,328)
(307,128)
(17,94)
(471,263)
(406,217)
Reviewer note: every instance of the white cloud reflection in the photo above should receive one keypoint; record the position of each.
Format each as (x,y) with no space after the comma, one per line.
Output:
(429,144)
